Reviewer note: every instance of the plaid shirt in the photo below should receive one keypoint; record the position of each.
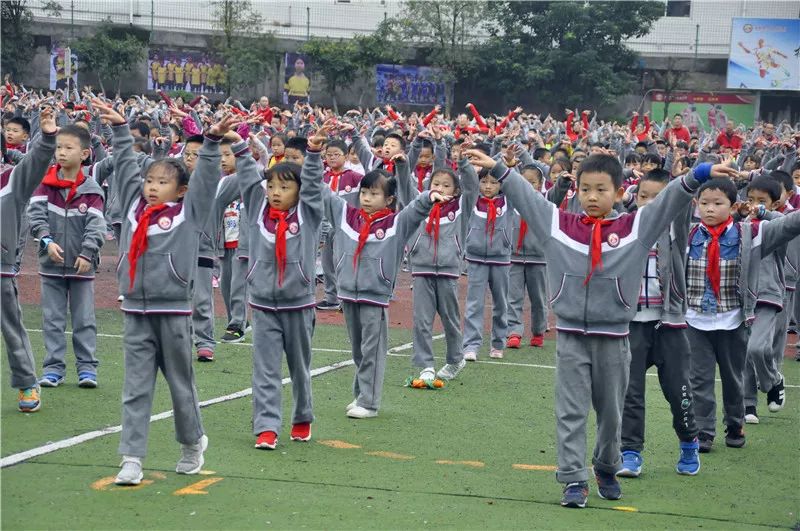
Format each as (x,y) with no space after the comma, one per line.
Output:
(700,296)
(650,295)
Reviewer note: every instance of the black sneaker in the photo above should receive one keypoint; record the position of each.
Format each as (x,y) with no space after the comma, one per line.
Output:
(328,306)
(734,436)
(751,415)
(575,495)
(608,486)
(706,442)
(233,335)
(776,397)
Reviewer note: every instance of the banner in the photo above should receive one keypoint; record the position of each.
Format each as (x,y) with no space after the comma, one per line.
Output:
(765,54)
(196,72)
(705,111)
(409,85)
(63,67)
(297,81)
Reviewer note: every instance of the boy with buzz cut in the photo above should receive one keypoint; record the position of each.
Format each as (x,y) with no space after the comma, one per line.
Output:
(595,262)
(16,187)
(66,216)
(17,132)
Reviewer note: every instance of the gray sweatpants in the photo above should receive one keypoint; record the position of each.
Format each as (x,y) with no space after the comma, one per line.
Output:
(203,307)
(233,284)
(531,278)
(329,268)
(478,276)
(668,349)
(15,337)
(368,328)
(152,342)
(764,352)
(590,371)
(434,295)
(273,334)
(58,294)
(728,349)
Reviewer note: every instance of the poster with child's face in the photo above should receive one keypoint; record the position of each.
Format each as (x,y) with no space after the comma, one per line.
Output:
(188,71)
(59,65)
(297,78)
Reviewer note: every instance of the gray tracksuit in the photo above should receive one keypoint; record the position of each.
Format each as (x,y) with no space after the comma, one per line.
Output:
(158,304)
(488,255)
(347,186)
(592,350)
(78,227)
(366,283)
(16,187)
(283,310)
(435,266)
(233,269)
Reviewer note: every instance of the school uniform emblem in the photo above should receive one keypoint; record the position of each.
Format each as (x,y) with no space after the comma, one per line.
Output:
(82,208)
(613,239)
(348,188)
(451,216)
(164,222)
(380,234)
(499,211)
(293,228)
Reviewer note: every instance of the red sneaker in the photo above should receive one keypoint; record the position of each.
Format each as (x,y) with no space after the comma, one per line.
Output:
(205,354)
(267,440)
(513,341)
(301,431)
(537,341)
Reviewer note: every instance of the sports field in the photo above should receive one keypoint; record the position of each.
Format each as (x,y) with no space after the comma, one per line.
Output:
(479,453)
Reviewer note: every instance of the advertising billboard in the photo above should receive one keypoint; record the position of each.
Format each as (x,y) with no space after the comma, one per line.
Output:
(765,54)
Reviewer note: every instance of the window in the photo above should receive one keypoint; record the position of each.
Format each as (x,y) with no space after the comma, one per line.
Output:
(679,8)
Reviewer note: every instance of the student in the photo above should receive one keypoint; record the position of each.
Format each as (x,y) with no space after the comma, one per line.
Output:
(17,132)
(721,279)
(163,220)
(66,216)
(528,273)
(600,256)
(277,144)
(658,338)
(16,187)
(368,248)
(284,237)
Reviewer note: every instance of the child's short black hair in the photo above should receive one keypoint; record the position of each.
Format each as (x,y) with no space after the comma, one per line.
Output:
(532,167)
(765,183)
(142,127)
(452,174)
(641,144)
(782,178)
(285,171)
(484,147)
(565,163)
(299,143)
(194,139)
(22,122)
(377,141)
(279,136)
(602,163)
(652,158)
(338,144)
(754,158)
(397,137)
(173,166)
(426,144)
(658,175)
(78,132)
(380,178)
(540,152)
(725,186)
(633,158)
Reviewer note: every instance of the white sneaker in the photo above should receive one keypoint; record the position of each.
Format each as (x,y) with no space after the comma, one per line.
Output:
(359,412)
(131,472)
(470,356)
(750,418)
(451,370)
(428,375)
(121,298)
(351,405)
(191,461)
(496,353)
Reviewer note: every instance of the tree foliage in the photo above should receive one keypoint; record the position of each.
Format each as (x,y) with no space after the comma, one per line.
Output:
(17,39)
(110,53)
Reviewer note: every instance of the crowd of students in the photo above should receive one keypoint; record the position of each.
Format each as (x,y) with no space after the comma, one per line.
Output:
(651,246)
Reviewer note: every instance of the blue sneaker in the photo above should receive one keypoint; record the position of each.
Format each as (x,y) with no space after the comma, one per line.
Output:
(689,462)
(575,495)
(87,380)
(51,379)
(631,464)
(608,487)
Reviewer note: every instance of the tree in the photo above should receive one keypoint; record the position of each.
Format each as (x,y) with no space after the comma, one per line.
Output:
(447,32)
(567,53)
(17,39)
(110,53)
(248,53)
(670,80)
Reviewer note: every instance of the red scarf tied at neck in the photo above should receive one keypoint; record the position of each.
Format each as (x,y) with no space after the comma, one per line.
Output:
(139,239)
(596,242)
(335,180)
(51,179)
(712,258)
(432,227)
(491,215)
(388,165)
(363,234)
(280,240)
(523,230)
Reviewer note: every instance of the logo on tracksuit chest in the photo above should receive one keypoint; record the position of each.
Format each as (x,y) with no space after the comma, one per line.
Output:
(613,239)
(164,223)
(82,208)
(380,234)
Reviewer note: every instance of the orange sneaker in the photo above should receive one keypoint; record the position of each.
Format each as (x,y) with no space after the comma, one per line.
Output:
(301,431)
(537,341)
(513,341)
(267,440)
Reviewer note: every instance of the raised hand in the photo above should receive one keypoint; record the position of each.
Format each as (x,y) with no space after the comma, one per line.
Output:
(479,158)
(437,197)
(225,123)
(107,112)
(47,120)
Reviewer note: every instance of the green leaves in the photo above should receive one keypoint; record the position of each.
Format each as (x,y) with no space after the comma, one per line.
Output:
(17,40)
(109,53)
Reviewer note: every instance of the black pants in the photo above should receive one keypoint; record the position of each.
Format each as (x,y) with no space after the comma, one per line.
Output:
(668,349)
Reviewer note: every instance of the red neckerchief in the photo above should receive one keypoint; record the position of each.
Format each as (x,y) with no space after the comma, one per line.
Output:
(523,229)
(280,240)
(388,165)
(491,215)
(278,158)
(432,227)
(139,239)
(335,180)
(51,179)
(596,242)
(421,172)
(712,259)
(363,234)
